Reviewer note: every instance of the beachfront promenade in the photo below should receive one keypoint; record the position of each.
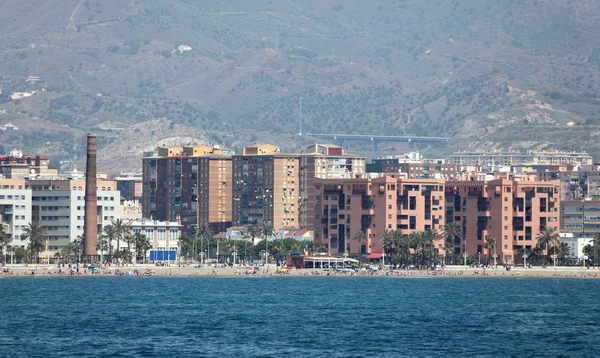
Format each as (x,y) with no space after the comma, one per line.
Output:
(272,270)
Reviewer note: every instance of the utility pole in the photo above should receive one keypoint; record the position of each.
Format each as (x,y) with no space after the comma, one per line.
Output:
(301,119)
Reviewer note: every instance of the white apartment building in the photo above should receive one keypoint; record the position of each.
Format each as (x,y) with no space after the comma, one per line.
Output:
(576,244)
(15,209)
(163,235)
(59,206)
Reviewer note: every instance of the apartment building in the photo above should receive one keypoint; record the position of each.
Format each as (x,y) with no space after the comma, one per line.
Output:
(574,184)
(18,166)
(344,207)
(265,187)
(163,235)
(59,206)
(580,217)
(130,186)
(188,185)
(15,209)
(414,169)
(324,161)
(516,157)
(214,191)
(513,212)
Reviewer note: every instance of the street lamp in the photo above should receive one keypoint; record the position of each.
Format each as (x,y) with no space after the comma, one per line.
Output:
(524,260)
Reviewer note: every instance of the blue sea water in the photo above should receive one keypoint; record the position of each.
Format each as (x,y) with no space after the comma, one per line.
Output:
(298,317)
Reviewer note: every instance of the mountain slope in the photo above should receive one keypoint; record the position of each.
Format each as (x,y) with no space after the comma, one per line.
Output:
(480,71)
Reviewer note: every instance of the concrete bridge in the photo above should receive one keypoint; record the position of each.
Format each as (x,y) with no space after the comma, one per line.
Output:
(376,139)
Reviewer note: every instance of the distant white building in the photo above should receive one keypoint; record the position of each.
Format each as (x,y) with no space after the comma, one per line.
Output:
(184,48)
(15,209)
(163,235)
(576,244)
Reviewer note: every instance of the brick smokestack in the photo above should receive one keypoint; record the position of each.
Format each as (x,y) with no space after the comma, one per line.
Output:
(90,228)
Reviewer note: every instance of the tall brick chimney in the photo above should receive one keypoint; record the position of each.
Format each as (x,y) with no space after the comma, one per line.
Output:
(90,228)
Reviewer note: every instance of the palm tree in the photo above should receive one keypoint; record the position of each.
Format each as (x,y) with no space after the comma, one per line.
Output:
(428,238)
(489,245)
(109,233)
(122,229)
(185,244)
(452,231)
(561,250)
(414,240)
(360,237)
(267,231)
(4,241)
(35,233)
(128,238)
(76,247)
(204,233)
(142,244)
(390,243)
(252,233)
(546,238)
(102,244)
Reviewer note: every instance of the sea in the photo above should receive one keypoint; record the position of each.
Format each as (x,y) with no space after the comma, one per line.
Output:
(298,317)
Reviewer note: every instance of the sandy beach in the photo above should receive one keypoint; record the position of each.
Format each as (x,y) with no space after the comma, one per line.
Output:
(272,270)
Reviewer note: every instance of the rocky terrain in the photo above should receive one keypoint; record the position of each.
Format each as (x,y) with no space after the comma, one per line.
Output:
(506,75)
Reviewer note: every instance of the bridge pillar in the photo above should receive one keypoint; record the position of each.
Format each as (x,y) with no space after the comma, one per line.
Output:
(375,145)
(345,145)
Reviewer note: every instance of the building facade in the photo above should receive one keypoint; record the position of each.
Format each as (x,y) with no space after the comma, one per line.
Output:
(265,187)
(15,209)
(414,169)
(324,162)
(574,184)
(513,158)
(163,235)
(344,207)
(59,206)
(189,185)
(512,212)
(580,217)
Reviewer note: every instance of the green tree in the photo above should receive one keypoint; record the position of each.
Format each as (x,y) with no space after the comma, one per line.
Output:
(451,232)
(109,233)
(561,250)
(205,234)
(252,233)
(360,237)
(596,242)
(102,244)
(489,245)
(142,245)
(35,233)
(266,232)
(4,242)
(588,250)
(76,247)
(186,245)
(122,229)
(20,253)
(546,238)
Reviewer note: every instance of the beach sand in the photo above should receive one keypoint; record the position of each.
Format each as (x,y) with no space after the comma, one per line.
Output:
(272,270)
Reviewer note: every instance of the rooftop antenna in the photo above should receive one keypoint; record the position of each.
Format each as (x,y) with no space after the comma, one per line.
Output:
(301,121)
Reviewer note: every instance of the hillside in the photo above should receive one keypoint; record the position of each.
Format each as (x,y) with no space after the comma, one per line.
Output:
(490,74)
